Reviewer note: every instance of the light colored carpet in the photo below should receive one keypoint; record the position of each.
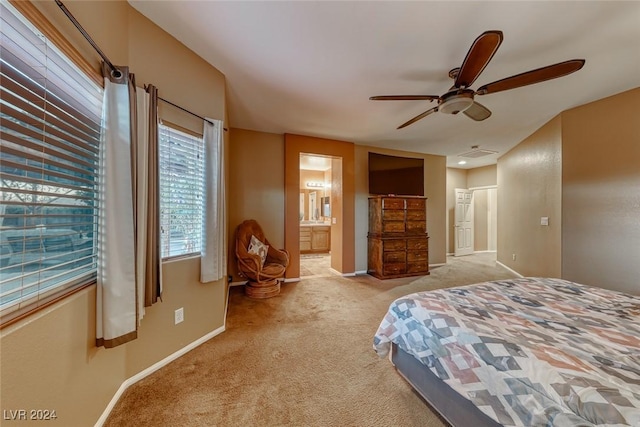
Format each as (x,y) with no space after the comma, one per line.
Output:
(315,265)
(303,358)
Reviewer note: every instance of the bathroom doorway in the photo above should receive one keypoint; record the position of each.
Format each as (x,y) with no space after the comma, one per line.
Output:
(341,201)
(318,176)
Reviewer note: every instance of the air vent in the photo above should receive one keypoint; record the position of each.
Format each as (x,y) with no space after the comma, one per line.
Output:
(477,153)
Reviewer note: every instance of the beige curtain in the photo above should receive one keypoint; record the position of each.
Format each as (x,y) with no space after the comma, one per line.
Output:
(116,318)
(129,273)
(148,271)
(213,263)
(153,270)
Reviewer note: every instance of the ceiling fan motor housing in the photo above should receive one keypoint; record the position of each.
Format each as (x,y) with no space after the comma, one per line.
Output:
(456,101)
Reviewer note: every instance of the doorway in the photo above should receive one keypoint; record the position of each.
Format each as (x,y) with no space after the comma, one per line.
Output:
(319,174)
(485,203)
(342,201)
(475,220)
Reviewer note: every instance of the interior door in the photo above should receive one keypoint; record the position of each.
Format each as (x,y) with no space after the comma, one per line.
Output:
(464,222)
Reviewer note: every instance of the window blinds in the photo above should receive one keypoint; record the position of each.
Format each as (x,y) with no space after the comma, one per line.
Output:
(50,126)
(181,165)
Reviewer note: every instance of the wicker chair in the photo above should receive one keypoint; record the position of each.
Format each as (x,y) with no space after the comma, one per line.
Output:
(263,276)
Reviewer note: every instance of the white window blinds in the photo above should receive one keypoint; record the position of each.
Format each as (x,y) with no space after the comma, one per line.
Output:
(181,192)
(50,126)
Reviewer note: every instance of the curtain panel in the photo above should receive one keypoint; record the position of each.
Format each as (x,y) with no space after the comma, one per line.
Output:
(129,269)
(146,193)
(147,196)
(213,263)
(153,277)
(116,309)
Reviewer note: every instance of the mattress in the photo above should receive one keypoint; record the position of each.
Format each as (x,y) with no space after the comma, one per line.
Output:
(527,352)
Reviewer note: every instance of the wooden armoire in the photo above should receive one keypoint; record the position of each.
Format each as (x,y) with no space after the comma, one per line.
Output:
(398,243)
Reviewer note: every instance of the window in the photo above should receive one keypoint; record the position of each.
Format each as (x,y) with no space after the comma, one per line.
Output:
(181,192)
(50,127)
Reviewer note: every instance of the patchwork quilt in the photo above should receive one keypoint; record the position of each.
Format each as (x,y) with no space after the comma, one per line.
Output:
(527,352)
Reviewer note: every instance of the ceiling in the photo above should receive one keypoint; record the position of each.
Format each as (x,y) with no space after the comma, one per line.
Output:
(309,67)
(315,163)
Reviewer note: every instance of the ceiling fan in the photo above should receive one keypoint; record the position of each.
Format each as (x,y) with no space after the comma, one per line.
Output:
(461,99)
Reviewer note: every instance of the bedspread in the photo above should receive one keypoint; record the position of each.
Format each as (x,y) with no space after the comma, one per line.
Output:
(529,351)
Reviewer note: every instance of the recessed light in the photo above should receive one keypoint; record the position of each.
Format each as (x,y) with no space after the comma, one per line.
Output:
(462,162)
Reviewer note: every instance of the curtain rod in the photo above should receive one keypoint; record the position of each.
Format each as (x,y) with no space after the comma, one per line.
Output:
(186,111)
(115,72)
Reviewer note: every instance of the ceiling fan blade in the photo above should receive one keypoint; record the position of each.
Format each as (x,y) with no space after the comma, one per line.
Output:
(477,112)
(418,117)
(534,76)
(479,55)
(404,98)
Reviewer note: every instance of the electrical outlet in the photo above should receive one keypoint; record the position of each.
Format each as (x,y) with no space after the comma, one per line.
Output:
(179,315)
(513,256)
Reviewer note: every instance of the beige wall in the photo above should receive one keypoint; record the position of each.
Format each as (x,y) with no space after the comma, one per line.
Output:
(530,187)
(49,360)
(256,182)
(435,182)
(485,176)
(342,257)
(310,175)
(582,169)
(601,193)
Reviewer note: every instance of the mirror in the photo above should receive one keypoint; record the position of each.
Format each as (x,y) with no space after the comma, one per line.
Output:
(314,213)
(326,206)
(301,206)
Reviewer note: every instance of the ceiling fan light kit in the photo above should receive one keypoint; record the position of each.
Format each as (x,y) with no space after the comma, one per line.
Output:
(456,101)
(461,99)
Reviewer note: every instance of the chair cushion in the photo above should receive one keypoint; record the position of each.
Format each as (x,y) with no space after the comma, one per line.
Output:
(273,270)
(258,248)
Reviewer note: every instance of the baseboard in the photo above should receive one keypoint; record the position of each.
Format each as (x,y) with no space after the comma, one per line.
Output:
(353,274)
(360,272)
(510,269)
(238,283)
(295,279)
(475,252)
(151,369)
(437,265)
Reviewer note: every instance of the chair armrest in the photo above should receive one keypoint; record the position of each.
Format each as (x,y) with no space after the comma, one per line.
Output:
(280,256)
(251,261)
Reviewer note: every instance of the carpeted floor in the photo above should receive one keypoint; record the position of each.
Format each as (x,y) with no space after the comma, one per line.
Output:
(303,358)
(315,265)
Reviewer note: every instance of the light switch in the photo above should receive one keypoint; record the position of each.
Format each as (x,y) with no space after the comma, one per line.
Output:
(544,220)
(334,221)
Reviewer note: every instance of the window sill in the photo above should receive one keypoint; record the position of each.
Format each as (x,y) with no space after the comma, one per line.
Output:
(170,260)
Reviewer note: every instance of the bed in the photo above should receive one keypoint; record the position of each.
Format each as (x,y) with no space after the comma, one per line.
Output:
(519,352)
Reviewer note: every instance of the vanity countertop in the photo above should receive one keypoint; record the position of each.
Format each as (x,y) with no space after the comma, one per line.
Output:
(315,224)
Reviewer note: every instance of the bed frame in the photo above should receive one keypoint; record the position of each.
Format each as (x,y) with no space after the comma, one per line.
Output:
(455,409)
